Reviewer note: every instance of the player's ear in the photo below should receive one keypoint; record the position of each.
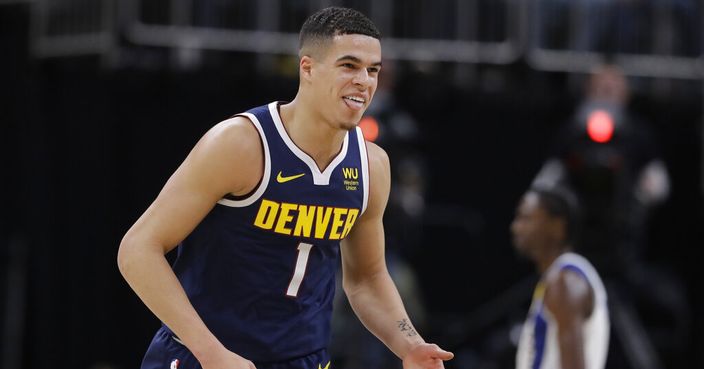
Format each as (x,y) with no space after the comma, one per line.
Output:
(305,66)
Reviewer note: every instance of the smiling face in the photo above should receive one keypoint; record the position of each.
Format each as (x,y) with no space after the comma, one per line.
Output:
(342,78)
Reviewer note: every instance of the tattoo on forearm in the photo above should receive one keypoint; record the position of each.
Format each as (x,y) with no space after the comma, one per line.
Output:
(405,326)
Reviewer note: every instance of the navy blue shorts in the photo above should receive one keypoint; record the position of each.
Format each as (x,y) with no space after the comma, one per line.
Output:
(166,352)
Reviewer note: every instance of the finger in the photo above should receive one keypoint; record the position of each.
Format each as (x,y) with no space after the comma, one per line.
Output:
(443,355)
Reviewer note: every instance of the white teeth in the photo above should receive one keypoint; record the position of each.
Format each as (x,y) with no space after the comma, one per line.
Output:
(357,99)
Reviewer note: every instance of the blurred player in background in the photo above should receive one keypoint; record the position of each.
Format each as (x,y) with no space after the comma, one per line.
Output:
(258,211)
(611,157)
(568,322)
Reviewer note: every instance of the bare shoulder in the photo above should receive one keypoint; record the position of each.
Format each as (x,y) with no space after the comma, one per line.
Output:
(232,151)
(379,179)
(568,293)
(236,130)
(378,159)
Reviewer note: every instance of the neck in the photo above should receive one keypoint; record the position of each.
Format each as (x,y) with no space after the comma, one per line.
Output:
(548,257)
(311,132)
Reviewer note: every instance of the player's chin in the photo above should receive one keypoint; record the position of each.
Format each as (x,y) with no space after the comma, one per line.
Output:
(349,125)
(350,122)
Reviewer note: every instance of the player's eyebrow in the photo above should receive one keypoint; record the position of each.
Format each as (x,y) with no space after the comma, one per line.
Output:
(356,60)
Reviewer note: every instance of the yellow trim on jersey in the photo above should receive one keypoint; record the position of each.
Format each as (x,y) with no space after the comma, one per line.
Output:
(539,291)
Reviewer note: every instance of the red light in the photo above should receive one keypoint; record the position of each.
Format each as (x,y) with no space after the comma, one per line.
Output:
(370,128)
(600,126)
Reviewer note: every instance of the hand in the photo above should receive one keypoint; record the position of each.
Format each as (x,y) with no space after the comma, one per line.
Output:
(426,356)
(224,359)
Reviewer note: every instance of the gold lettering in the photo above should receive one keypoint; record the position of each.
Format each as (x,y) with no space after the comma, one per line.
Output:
(284,218)
(337,223)
(350,173)
(349,222)
(321,221)
(304,221)
(300,220)
(267,214)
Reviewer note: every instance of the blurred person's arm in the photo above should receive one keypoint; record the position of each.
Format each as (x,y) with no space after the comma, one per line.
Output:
(366,281)
(226,160)
(569,297)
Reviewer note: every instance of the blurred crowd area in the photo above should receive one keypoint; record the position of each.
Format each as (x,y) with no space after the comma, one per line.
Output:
(100,100)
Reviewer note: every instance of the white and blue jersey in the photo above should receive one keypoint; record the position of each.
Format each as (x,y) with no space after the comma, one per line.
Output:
(539,348)
(260,269)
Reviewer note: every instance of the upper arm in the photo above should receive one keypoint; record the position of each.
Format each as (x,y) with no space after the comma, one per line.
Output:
(227,159)
(363,248)
(569,297)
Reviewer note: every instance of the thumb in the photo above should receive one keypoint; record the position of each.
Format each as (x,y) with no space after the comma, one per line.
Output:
(443,355)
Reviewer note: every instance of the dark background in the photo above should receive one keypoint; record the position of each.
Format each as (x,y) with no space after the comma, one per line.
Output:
(84,149)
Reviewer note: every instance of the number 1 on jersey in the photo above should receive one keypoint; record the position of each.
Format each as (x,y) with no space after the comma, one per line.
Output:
(300,270)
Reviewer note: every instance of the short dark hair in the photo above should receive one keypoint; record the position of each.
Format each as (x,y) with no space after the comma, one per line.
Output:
(561,202)
(332,21)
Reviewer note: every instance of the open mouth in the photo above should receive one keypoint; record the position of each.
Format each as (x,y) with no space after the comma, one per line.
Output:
(354,102)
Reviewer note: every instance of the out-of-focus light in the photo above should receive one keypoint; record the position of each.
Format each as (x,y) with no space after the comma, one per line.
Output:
(370,128)
(600,126)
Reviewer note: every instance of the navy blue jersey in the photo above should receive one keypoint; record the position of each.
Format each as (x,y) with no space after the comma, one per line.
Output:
(260,270)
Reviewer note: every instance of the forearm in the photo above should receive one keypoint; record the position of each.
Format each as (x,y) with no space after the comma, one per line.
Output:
(377,303)
(149,274)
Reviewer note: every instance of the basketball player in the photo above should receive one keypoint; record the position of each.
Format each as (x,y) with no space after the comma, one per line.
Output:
(568,323)
(258,210)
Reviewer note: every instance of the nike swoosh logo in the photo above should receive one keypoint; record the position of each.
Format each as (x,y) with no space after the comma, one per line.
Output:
(282,179)
(320,366)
